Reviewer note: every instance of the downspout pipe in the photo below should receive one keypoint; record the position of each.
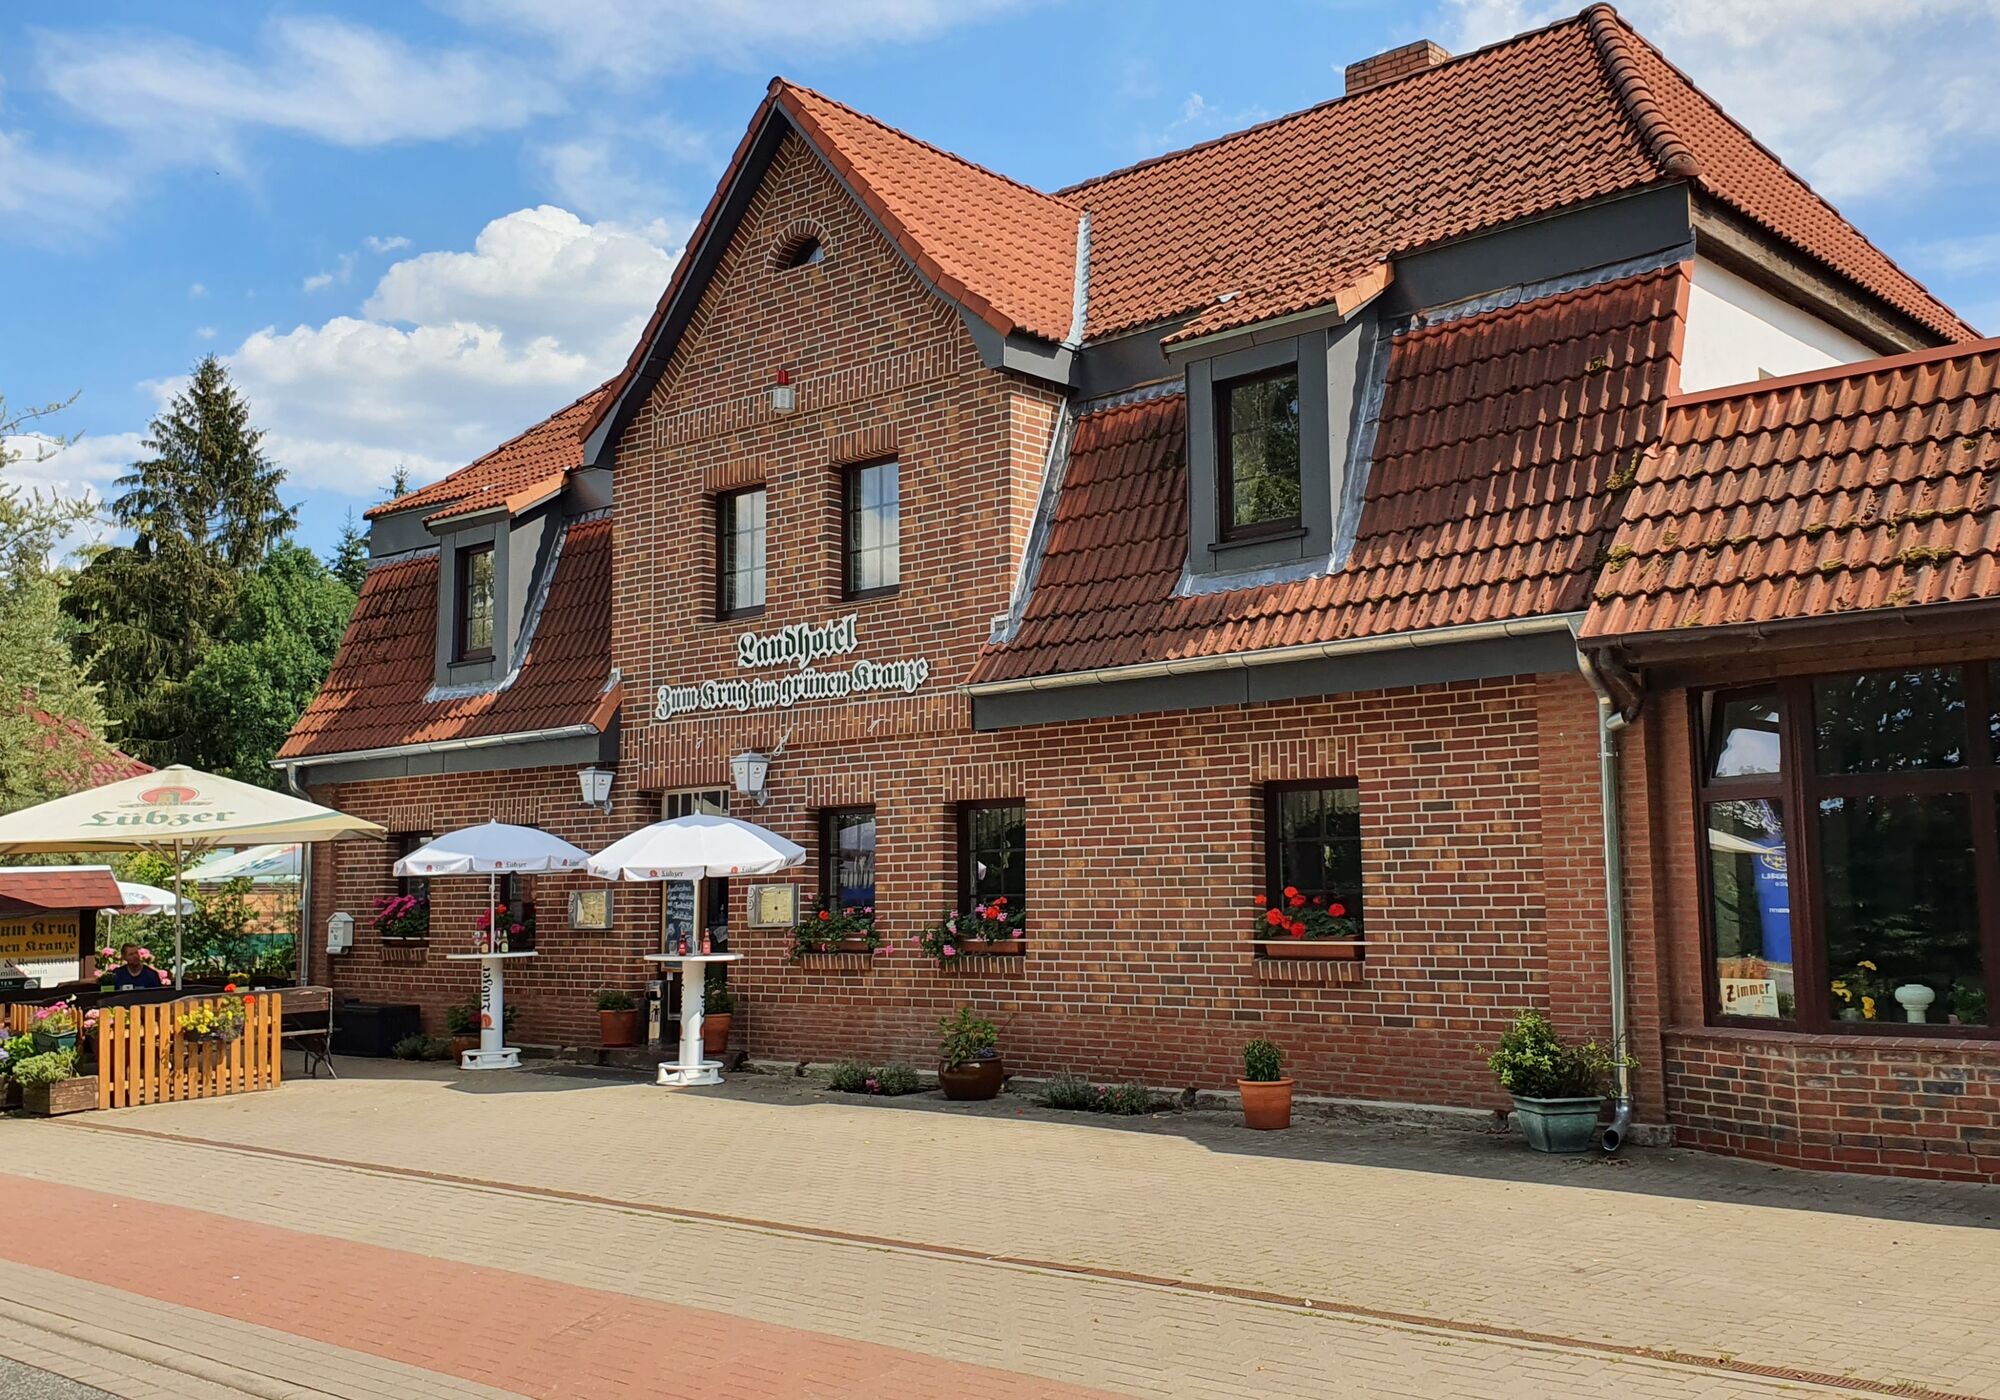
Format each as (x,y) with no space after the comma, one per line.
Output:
(1611,718)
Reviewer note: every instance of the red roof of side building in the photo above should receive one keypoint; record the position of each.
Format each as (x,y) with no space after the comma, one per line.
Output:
(92,762)
(1865,486)
(59,887)
(526,468)
(1500,440)
(375,695)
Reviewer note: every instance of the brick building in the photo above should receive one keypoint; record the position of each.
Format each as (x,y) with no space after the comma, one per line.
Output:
(1314,509)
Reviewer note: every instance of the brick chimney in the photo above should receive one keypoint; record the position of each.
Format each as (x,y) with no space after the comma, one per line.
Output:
(1396,63)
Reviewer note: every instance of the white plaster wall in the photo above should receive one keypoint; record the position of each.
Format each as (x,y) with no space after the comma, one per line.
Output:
(1738,332)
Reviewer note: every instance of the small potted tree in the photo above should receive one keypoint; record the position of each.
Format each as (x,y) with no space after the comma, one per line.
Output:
(1267,1094)
(617,1019)
(462,1021)
(1557,1087)
(718,1011)
(969,1064)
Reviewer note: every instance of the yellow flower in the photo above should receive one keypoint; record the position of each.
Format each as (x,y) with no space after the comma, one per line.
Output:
(1869,965)
(1868,1008)
(1840,990)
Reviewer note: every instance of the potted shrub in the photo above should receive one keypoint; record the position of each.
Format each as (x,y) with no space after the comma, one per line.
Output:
(12,1052)
(1557,1087)
(824,929)
(990,928)
(718,1011)
(617,1019)
(969,1064)
(1293,926)
(50,1084)
(1267,1094)
(462,1021)
(56,1026)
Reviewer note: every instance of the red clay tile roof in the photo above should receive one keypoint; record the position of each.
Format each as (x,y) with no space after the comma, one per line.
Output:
(1499,441)
(1863,486)
(522,470)
(1007,252)
(374,696)
(1282,216)
(59,887)
(1574,112)
(89,761)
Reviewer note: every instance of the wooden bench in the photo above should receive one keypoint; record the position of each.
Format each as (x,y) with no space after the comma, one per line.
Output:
(308,1019)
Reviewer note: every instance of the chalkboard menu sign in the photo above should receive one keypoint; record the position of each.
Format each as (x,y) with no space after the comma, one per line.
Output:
(677,913)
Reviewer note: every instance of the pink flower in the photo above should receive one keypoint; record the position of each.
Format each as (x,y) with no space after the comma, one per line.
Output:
(950,951)
(145,955)
(513,928)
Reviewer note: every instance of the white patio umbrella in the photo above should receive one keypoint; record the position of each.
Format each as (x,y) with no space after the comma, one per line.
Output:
(149,899)
(492,850)
(261,865)
(180,810)
(694,848)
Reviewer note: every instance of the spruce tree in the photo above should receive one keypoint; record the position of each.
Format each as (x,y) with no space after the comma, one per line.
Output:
(349,560)
(204,511)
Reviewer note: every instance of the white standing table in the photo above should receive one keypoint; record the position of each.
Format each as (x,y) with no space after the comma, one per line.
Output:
(692,1068)
(493,1051)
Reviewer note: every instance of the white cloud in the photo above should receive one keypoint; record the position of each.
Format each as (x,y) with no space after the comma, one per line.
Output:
(44,196)
(83,470)
(312,76)
(196,291)
(613,170)
(454,352)
(343,269)
(205,332)
(1865,100)
(377,244)
(633,39)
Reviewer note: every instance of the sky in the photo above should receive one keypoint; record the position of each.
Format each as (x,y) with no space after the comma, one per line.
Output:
(413,229)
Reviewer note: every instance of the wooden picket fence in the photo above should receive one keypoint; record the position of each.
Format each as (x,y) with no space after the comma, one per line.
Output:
(20,1016)
(142,1057)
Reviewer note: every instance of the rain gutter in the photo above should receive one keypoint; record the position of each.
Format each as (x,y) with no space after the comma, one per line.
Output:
(1277,656)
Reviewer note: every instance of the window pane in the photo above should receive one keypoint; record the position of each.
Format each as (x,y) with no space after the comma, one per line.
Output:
(476,584)
(1743,739)
(850,858)
(1896,890)
(1316,846)
(996,866)
(1888,721)
(1750,897)
(740,535)
(1262,425)
(874,527)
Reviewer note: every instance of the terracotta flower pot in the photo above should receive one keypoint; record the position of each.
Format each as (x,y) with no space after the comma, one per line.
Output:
(464,1041)
(975,1079)
(715,1033)
(1267,1103)
(618,1028)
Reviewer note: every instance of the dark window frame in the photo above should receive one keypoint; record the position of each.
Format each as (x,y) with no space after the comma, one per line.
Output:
(461,610)
(1274,881)
(724,536)
(406,842)
(829,851)
(1226,528)
(967,891)
(850,477)
(1798,790)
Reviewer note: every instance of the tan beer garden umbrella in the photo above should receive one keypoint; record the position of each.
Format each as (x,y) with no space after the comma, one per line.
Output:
(179,810)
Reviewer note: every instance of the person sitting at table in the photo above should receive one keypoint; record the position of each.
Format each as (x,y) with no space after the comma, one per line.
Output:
(135,973)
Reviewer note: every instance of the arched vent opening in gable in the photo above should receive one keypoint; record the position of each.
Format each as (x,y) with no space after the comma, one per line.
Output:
(801,245)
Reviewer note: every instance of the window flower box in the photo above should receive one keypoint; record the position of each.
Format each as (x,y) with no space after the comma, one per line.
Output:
(991,929)
(1310,949)
(826,930)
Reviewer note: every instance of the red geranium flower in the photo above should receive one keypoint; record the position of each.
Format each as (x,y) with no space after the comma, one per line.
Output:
(1274,917)
(824,916)
(1291,891)
(1318,900)
(1298,901)
(1298,930)
(1260,901)
(1339,911)
(228,986)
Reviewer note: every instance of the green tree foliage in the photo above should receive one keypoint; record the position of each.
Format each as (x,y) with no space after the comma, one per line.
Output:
(246,691)
(349,560)
(204,511)
(51,724)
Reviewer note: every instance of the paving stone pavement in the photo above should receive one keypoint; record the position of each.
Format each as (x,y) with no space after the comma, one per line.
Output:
(1423,1245)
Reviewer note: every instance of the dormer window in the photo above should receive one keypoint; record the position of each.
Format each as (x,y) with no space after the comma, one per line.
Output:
(1257,453)
(472,613)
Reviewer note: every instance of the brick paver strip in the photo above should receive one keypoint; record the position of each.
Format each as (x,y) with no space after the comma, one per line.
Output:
(1332,1307)
(512,1330)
